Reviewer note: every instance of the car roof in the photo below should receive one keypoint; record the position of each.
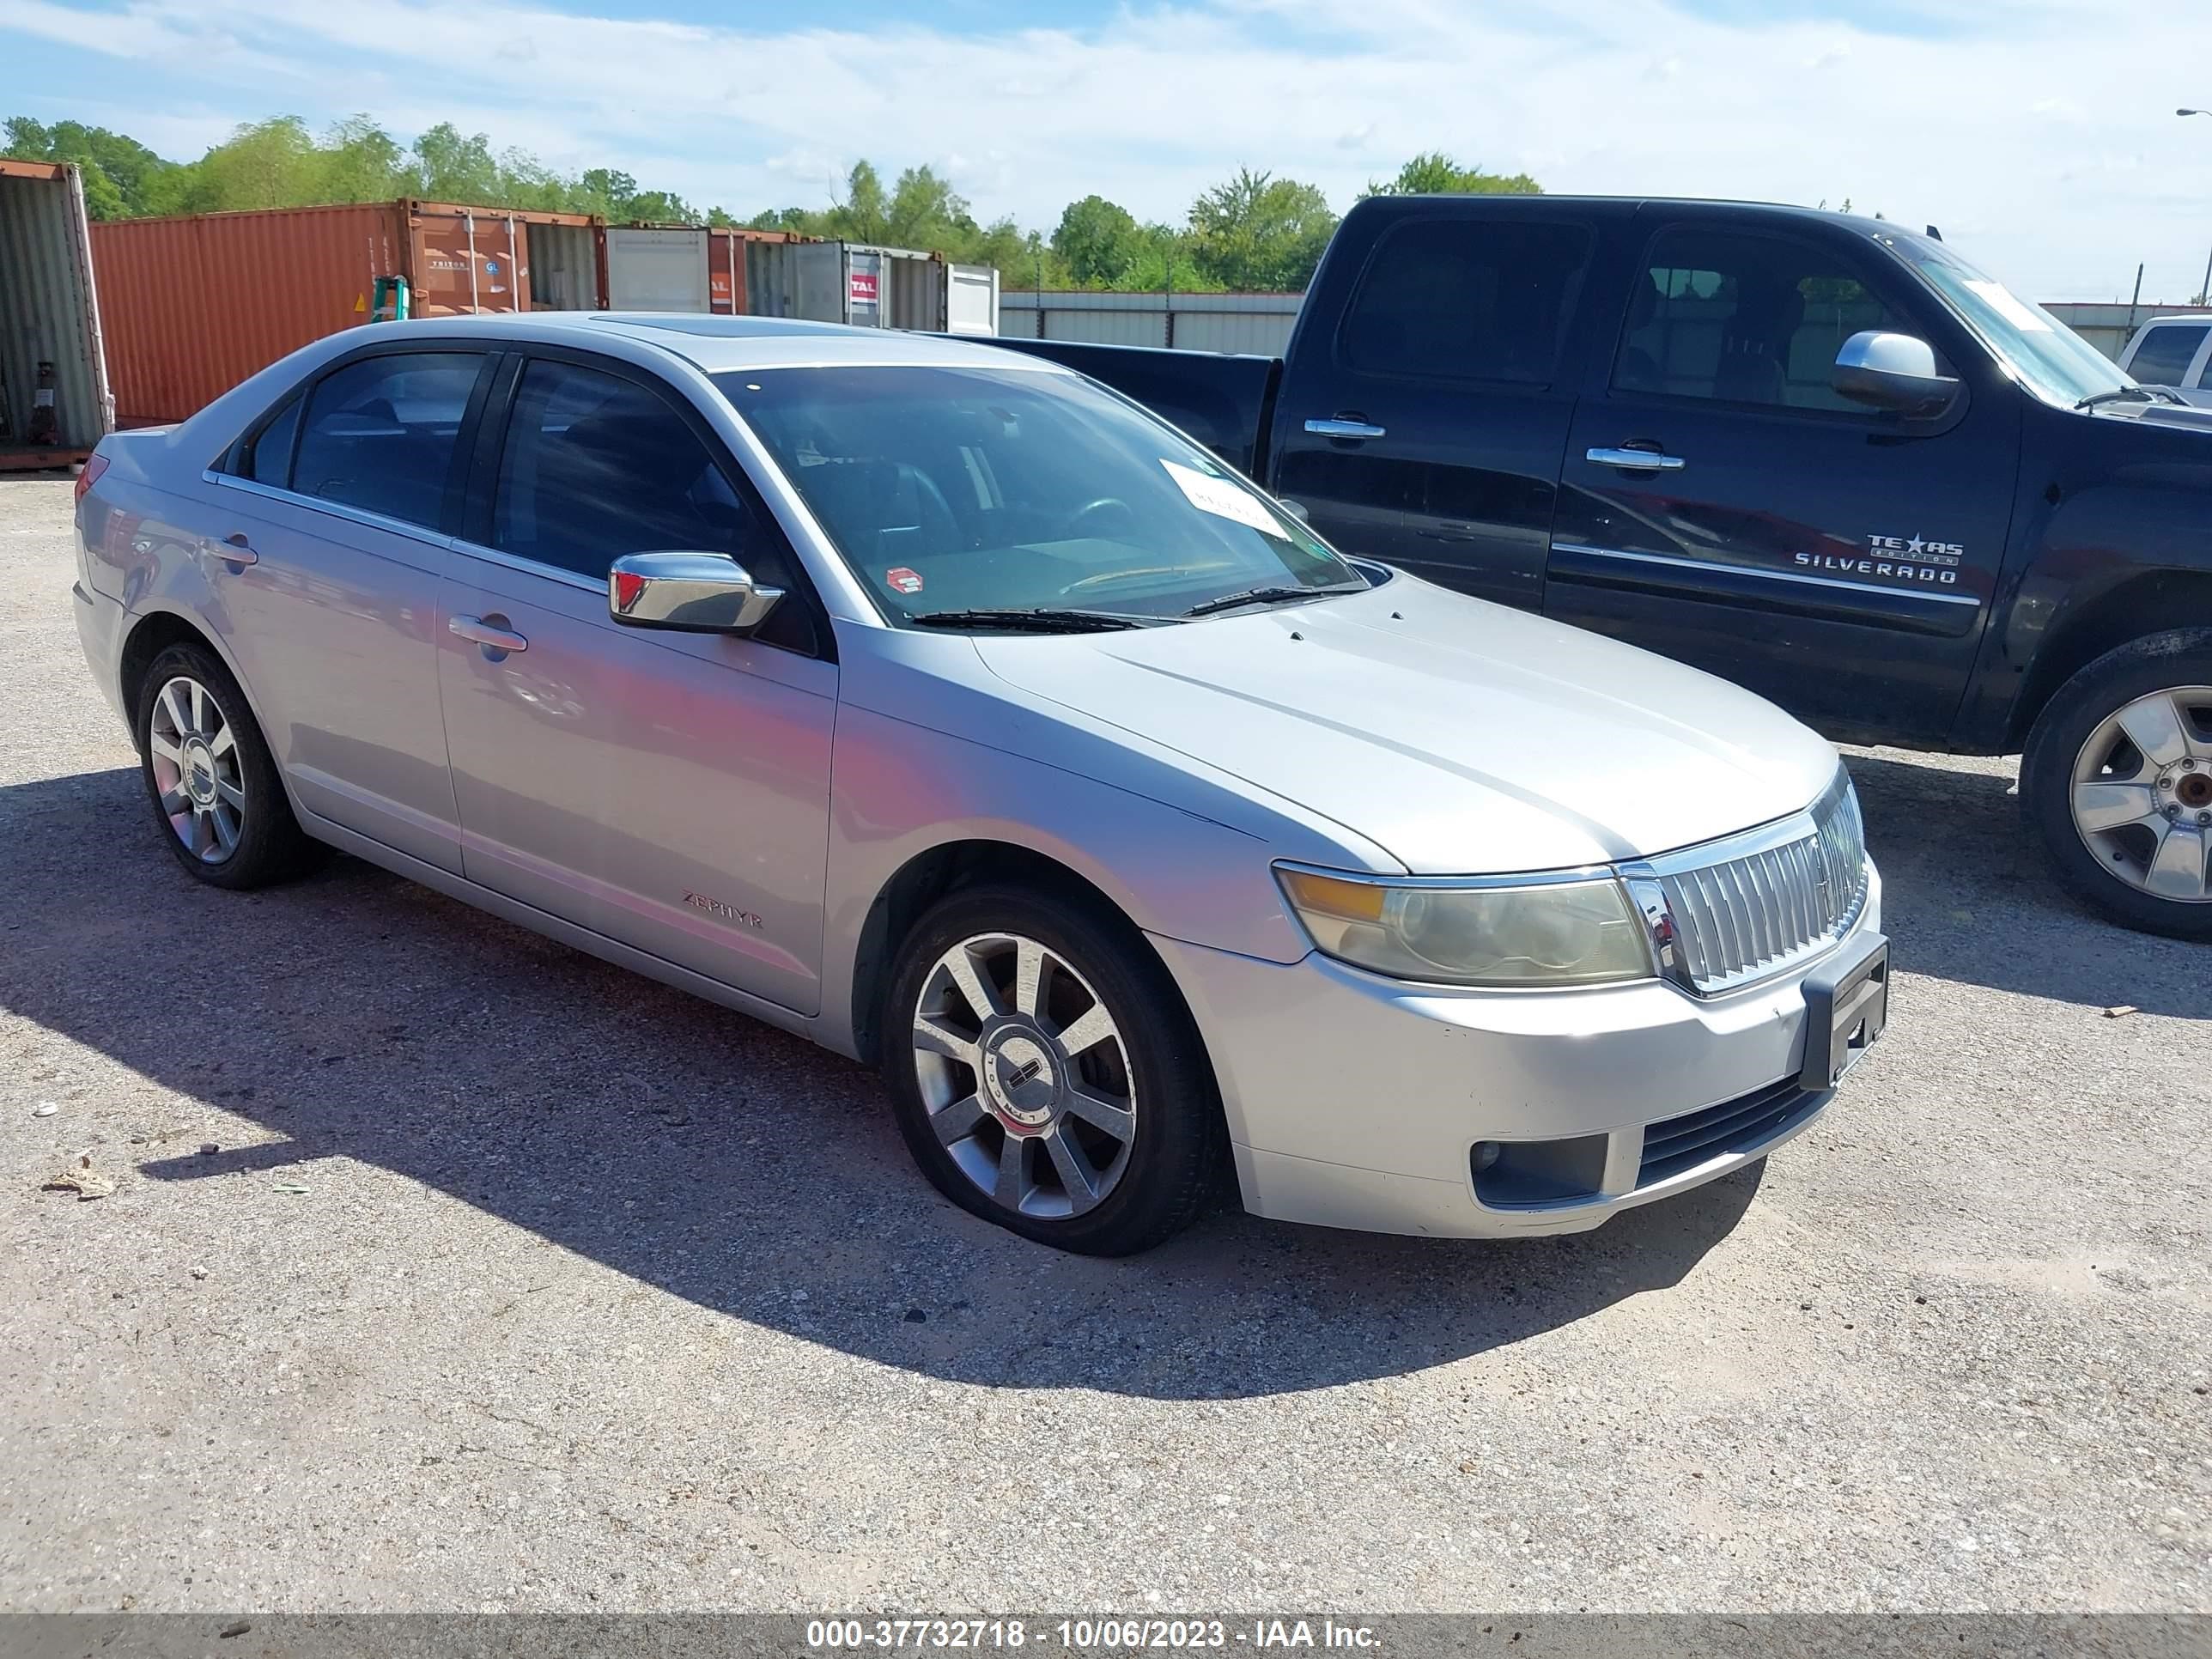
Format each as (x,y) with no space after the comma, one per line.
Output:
(718,345)
(1624,205)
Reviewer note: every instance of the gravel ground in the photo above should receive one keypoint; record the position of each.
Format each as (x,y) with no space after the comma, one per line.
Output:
(599,1297)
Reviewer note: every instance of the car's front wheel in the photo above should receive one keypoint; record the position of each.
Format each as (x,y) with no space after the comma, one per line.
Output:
(210,776)
(2117,782)
(1045,1074)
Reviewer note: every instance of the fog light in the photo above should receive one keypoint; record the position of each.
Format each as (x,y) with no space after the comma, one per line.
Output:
(1486,1154)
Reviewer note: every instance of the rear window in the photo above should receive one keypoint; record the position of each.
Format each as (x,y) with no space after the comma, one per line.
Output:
(267,456)
(2164,354)
(1467,299)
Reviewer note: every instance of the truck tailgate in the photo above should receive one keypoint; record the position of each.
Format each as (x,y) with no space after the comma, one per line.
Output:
(1224,402)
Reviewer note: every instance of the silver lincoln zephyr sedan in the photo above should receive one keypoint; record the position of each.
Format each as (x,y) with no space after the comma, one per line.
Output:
(939,705)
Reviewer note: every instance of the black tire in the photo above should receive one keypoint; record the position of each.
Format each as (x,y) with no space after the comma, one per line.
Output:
(1175,1157)
(2180,657)
(270,845)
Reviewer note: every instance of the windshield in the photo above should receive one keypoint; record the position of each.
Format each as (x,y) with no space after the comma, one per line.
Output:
(2050,358)
(962,489)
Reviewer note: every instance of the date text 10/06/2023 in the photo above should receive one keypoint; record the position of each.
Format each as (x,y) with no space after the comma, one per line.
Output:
(1087,1635)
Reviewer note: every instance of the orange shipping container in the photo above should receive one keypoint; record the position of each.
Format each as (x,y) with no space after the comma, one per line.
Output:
(192,306)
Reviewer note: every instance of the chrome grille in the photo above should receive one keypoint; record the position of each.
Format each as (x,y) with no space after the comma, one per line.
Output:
(1749,907)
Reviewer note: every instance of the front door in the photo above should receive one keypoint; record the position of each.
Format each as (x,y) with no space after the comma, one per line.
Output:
(1428,433)
(1836,559)
(668,791)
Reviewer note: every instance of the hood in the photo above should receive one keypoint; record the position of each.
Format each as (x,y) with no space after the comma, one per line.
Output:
(2179,417)
(1463,736)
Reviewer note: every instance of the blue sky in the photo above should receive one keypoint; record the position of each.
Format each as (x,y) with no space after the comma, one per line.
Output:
(2039,134)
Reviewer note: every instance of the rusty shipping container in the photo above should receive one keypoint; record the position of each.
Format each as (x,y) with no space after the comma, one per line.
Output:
(725,264)
(54,405)
(193,304)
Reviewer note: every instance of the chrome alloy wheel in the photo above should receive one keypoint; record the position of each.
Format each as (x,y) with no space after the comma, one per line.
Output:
(196,767)
(1025,1076)
(2142,793)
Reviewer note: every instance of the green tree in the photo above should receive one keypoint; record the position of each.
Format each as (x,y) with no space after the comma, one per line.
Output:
(263,164)
(452,168)
(1260,233)
(1432,173)
(362,162)
(1101,241)
(865,214)
(117,171)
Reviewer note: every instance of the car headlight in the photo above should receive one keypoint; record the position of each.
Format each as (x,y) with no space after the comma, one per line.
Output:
(1574,931)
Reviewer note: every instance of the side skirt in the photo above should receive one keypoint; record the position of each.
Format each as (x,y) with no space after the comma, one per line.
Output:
(538,922)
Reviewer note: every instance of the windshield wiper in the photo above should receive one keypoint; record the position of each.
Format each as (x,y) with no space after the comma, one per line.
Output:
(1270,596)
(2120,394)
(1038,621)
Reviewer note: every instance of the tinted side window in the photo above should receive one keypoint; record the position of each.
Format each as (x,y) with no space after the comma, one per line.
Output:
(595,466)
(268,458)
(2166,352)
(1745,319)
(1467,299)
(380,433)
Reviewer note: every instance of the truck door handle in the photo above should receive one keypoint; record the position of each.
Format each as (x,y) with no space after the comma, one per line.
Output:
(1343,428)
(234,550)
(1644,460)
(479,631)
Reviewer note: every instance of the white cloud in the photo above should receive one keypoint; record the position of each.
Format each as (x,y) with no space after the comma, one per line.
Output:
(2040,140)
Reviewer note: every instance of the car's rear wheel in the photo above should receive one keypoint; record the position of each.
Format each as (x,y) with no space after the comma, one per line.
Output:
(1045,1074)
(2117,783)
(210,776)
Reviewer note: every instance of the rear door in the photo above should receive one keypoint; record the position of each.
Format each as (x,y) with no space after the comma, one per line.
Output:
(329,535)
(1426,428)
(1836,559)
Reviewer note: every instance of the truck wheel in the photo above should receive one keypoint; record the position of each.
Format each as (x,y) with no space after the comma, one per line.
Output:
(1046,1074)
(2117,783)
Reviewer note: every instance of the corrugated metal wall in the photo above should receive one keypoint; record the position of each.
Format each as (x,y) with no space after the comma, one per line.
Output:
(1255,323)
(47,311)
(194,306)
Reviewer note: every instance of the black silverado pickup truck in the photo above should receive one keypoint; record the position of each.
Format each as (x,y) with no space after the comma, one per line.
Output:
(1819,455)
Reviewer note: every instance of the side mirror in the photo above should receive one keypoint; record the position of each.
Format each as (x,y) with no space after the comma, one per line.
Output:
(1892,371)
(691,593)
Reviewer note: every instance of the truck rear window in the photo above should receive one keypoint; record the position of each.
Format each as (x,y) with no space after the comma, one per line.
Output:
(1467,299)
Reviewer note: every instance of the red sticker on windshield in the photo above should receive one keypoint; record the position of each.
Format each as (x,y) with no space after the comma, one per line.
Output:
(904,581)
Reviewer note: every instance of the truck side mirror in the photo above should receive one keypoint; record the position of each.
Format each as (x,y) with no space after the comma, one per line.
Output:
(1892,371)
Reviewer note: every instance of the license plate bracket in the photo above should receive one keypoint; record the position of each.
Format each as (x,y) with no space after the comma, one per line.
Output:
(1846,1008)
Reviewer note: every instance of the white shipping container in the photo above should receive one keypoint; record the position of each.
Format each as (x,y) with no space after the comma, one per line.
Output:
(971,299)
(657,270)
(870,287)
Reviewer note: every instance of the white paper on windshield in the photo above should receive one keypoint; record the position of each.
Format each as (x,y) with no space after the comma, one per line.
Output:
(2011,310)
(1222,498)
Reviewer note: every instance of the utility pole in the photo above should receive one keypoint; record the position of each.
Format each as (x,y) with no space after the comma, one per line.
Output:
(2204,293)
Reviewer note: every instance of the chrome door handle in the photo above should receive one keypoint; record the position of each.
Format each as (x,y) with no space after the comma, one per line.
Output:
(1645,460)
(1343,430)
(477,631)
(232,550)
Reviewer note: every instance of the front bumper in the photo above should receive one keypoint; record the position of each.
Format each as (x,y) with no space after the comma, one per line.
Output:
(1358,1102)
